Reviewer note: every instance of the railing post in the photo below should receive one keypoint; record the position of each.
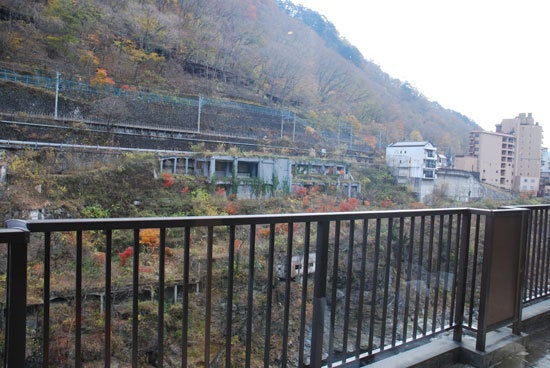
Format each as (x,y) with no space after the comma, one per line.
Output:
(502,271)
(319,294)
(16,296)
(462,274)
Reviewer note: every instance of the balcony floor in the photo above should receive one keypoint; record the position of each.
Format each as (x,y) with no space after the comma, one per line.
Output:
(536,354)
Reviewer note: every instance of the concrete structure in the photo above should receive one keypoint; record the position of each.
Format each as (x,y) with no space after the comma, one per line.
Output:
(415,164)
(251,177)
(508,158)
(492,156)
(526,165)
(464,186)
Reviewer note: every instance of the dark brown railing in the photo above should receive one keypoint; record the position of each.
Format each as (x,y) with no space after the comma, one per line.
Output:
(537,278)
(269,290)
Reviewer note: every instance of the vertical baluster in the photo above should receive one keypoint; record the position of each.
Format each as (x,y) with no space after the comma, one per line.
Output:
(397,294)
(429,275)
(229,307)
(335,262)
(185,295)
(438,272)
(269,302)
(135,300)
(456,279)
(250,295)
(208,301)
(374,285)
(349,275)
(419,275)
(387,270)
(160,320)
(362,282)
(46,298)
(305,277)
(108,300)
(447,261)
(474,272)
(409,280)
(78,302)
(319,293)
(286,312)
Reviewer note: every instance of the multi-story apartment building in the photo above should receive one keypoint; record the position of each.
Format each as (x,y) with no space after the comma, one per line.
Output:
(413,163)
(492,156)
(528,136)
(509,158)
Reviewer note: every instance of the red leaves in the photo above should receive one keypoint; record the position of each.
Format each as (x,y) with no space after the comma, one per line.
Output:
(167,180)
(128,252)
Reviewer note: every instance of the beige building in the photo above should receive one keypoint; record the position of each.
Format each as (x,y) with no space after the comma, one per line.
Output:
(492,156)
(528,136)
(508,159)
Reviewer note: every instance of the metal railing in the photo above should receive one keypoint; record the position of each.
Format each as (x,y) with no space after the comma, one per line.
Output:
(267,290)
(537,266)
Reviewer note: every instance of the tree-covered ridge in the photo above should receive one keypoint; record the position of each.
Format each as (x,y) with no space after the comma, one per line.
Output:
(248,50)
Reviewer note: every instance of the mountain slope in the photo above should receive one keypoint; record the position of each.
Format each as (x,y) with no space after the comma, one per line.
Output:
(259,51)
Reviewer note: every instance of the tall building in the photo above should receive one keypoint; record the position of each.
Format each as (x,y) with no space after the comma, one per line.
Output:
(508,158)
(528,136)
(492,156)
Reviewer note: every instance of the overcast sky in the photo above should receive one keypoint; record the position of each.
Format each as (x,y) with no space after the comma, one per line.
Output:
(487,59)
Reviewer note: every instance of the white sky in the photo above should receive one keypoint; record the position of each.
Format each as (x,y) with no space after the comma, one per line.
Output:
(487,59)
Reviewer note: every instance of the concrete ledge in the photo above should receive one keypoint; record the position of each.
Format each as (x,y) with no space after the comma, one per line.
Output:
(535,316)
(443,351)
(435,353)
(500,344)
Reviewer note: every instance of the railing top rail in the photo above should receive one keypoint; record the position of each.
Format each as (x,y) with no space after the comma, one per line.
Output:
(193,221)
(531,206)
(11,235)
(511,210)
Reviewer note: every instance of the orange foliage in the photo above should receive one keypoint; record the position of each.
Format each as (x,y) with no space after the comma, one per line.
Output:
(150,238)
(231,208)
(167,180)
(220,191)
(349,205)
(184,191)
(264,232)
(99,257)
(300,191)
(126,87)
(101,78)
(145,269)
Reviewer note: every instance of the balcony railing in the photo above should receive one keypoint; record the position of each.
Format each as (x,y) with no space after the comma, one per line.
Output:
(245,291)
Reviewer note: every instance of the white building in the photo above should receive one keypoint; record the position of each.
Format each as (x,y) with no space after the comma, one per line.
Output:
(413,163)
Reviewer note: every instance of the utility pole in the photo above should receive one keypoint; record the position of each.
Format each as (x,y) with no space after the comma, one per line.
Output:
(294,128)
(199,115)
(282,122)
(56,92)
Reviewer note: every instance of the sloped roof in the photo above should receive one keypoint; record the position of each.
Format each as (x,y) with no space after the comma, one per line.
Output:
(410,144)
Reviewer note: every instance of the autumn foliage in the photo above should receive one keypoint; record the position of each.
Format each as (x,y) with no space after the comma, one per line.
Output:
(167,180)
(101,78)
(128,252)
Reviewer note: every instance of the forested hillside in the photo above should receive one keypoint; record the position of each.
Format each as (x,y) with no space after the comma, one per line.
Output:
(260,51)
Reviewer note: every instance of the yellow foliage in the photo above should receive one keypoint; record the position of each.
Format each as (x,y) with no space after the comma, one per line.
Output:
(150,238)
(101,78)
